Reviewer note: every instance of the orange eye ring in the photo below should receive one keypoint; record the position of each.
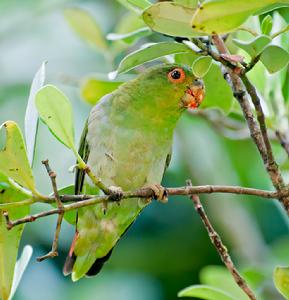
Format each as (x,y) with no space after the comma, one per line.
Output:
(177,75)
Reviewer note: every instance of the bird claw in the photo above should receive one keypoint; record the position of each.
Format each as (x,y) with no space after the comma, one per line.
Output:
(159,192)
(115,193)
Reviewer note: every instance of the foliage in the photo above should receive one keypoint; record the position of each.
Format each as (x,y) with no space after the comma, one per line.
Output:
(142,39)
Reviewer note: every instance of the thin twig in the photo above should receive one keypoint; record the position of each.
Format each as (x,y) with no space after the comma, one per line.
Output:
(88,200)
(54,248)
(144,193)
(215,55)
(252,63)
(220,247)
(258,132)
(283,142)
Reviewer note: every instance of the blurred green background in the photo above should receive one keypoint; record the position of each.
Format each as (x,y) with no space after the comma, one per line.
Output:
(167,246)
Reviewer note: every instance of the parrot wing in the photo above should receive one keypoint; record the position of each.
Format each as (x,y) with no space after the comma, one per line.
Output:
(84,153)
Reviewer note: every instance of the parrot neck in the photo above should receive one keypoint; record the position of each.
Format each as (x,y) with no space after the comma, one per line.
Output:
(147,106)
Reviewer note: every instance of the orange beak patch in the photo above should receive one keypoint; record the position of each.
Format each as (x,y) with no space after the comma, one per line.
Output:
(193,97)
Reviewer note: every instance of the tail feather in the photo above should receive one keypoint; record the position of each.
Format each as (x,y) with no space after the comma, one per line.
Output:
(68,265)
(98,264)
(70,259)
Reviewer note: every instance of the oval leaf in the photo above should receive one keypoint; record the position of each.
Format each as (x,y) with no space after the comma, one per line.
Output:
(92,89)
(55,110)
(218,93)
(129,6)
(220,278)
(13,158)
(170,18)
(188,3)
(20,267)
(201,66)
(9,240)
(31,115)
(274,58)
(130,37)
(141,4)
(281,280)
(222,16)
(254,47)
(86,27)
(266,25)
(205,292)
(150,53)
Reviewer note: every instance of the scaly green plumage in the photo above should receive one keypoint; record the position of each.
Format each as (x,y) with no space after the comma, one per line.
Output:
(127,141)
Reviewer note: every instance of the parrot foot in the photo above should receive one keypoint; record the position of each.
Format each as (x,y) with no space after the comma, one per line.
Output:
(160,193)
(116,193)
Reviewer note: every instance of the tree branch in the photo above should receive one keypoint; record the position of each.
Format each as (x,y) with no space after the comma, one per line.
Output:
(283,142)
(52,176)
(145,193)
(88,200)
(258,132)
(220,247)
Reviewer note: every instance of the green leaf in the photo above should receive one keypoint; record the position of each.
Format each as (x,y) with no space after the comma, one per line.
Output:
(205,292)
(222,16)
(266,25)
(254,47)
(186,58)
(152,52)
(281,280)
(31,115)
(170,18)
(20,267)
(218,93)
(201,66)
(55,111)
(129,22)
(92,89)
(219,277)
(129,6)
(284,12)
(9,240)
(130,37)
(274,58)
(86,27)
(275,5)
(188,3)
(255,277)
(285,87)
(13,158)
(142,4)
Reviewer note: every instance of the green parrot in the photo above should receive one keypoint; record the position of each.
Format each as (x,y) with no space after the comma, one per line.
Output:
(127,143)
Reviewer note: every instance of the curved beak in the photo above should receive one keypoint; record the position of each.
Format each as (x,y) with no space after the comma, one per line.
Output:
(194,95)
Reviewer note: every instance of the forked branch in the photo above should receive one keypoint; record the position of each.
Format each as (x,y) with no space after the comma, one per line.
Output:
(220,247)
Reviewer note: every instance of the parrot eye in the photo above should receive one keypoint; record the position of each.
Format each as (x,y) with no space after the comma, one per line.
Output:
(177,75)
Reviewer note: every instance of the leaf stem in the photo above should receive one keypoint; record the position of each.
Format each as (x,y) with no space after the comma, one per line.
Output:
(274,35)
(253,32)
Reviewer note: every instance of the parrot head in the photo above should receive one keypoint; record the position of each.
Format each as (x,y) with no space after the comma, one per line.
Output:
(170,88)
(183,78)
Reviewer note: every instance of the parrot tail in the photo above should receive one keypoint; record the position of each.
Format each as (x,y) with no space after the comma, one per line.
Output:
(71,258)
(98,264)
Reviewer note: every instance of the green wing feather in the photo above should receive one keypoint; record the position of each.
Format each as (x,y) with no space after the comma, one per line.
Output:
(84,153)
